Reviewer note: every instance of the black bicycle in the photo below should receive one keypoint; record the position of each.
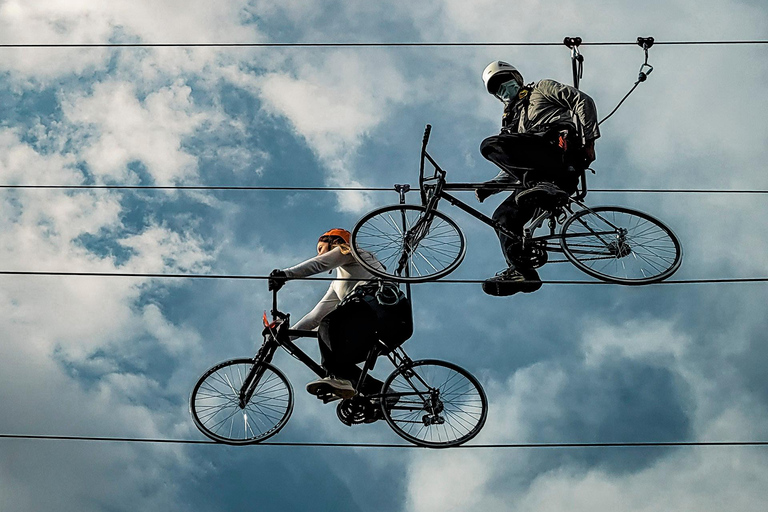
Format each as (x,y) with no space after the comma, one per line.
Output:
(419,243)
(427,402)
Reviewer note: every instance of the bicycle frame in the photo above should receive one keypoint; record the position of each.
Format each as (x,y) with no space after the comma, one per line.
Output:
(432,193)
(276,336)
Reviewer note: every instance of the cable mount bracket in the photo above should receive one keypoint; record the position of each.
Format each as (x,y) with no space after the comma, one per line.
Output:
(577,59)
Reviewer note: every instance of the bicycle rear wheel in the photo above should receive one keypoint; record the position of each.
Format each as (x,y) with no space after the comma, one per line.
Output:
(215,403)
(439,404)
(621,245)
(412,245)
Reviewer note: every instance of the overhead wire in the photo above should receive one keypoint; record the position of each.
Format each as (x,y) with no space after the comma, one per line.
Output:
(649,444)
(737,280)
(381,44)
(347,189)
(453,281)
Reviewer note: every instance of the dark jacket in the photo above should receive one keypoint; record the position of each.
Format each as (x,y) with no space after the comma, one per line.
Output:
(549,104)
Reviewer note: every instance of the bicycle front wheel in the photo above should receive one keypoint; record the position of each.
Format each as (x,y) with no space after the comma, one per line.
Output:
(412,245)
(216,408)
(621,245)
(439,404)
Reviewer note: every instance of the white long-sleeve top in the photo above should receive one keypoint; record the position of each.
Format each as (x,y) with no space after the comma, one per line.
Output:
(347,270)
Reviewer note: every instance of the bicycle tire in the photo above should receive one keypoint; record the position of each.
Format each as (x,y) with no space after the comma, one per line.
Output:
(455,416)
(214,403)
(382,233)
(648,252)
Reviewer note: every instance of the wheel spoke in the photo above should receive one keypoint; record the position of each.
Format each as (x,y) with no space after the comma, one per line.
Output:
(411,244)
(215,403)
(637,249)
(451,410)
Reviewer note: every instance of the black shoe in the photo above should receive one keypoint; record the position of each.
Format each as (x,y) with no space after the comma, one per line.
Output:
(544,195)
(503,178)
(511,281)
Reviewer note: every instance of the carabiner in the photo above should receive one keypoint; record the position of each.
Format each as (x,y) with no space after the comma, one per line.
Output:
(643,75)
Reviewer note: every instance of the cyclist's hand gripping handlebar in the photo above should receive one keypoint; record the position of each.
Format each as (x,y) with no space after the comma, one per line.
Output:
(277,279)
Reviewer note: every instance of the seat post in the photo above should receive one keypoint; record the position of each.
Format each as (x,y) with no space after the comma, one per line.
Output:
(370,362)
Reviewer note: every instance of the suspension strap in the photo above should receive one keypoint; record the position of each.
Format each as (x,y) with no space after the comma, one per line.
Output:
(642,76)
(577,59)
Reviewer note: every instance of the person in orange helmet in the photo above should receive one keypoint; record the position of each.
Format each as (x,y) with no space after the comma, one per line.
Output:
(339,354)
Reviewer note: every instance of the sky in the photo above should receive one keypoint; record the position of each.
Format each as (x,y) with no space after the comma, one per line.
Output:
(109,356)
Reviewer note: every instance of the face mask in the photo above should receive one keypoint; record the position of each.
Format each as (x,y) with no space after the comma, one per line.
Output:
(508,91)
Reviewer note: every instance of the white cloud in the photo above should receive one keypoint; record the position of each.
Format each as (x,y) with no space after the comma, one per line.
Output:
(334,102)
(88,22)
(63,338)
(698,479)
(710,478)
(119,129)
(647,339)
(674,131)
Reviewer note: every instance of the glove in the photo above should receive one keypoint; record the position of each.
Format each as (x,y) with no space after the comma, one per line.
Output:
(277,279)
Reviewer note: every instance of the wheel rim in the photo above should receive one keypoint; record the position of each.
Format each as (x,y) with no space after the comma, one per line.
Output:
(215,403)
(440,404)
(432,253)
(621,245)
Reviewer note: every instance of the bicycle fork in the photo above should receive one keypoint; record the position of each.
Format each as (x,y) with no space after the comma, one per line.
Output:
(412,239)
(251,381)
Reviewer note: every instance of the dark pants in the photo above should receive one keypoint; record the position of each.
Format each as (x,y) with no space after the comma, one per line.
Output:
(534,158)
(346,336)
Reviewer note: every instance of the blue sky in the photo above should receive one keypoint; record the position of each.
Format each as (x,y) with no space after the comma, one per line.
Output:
(119,356)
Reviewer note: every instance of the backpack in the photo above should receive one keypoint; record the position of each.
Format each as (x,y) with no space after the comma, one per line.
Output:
(392,309)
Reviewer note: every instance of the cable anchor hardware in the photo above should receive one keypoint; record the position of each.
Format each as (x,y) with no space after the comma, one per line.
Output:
(402,190)
(645,43)
(642,76)
(577,59)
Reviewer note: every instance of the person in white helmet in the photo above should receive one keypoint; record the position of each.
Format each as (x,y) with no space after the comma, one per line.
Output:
(547,137)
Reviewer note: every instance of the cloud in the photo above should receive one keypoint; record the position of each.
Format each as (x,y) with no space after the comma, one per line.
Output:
(118,129)
(86,22)
(80,348)
(334,102)
(603,397)
(101,356)
(686,481)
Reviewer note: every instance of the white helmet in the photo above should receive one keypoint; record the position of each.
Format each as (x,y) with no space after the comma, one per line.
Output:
(498,72)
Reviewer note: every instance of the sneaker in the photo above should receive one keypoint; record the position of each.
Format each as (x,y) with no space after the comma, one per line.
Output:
(544,194)
(330,385)
(503,178)
(511,281)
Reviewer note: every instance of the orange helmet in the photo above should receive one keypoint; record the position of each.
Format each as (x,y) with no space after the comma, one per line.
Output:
(334,235)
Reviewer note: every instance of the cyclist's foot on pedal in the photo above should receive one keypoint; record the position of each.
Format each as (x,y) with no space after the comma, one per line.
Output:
(328,398)
(542,194)
(330,385)
(503,178)
(511,281)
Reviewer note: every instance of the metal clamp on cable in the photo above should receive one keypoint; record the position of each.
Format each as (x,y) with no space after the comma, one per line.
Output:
(402,190)
(577,59)
(645,69)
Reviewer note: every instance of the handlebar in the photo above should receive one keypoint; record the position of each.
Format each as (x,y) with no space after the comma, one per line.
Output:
(276,314)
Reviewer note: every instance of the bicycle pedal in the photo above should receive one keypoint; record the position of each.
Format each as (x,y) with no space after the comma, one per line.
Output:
(328,397)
